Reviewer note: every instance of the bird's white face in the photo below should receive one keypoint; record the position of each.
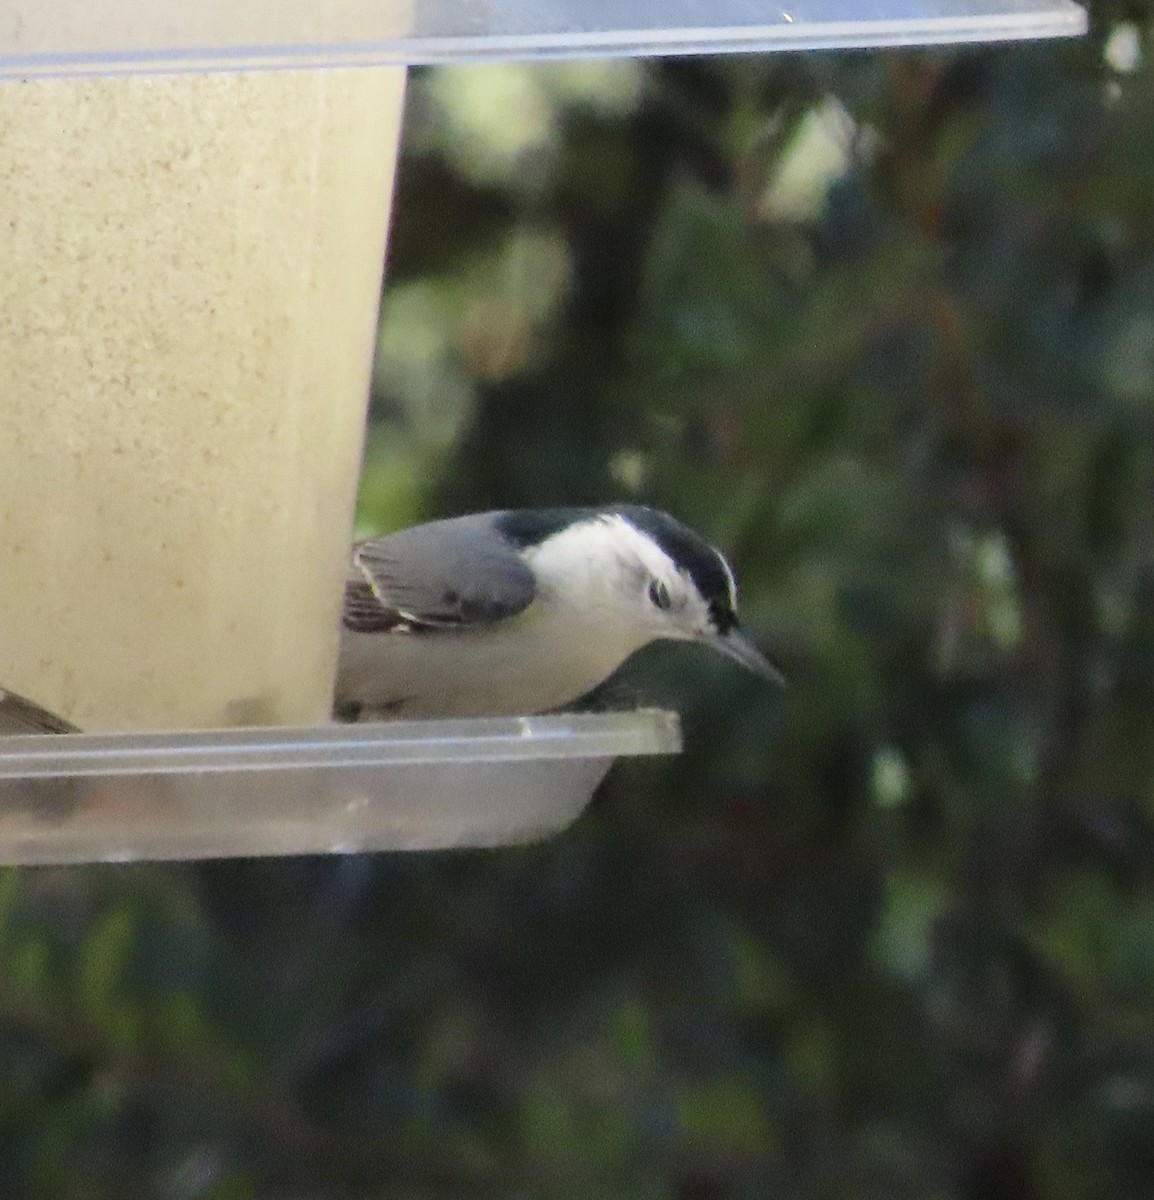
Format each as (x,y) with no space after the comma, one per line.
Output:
(620,579)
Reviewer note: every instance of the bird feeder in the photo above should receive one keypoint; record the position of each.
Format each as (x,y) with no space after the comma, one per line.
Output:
(192,246)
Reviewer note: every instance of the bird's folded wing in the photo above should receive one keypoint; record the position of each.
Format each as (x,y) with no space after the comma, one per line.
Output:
(446,574)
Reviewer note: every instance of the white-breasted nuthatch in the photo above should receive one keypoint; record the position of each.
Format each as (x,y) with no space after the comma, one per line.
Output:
(519,612)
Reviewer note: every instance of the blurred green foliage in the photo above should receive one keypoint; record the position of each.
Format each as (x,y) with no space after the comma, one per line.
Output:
(883,327)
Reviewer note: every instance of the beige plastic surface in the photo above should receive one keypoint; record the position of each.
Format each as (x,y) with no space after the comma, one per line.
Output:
(192,269)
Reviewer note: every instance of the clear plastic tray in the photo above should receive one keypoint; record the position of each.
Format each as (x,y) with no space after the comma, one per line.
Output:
(405,785)
(79,36)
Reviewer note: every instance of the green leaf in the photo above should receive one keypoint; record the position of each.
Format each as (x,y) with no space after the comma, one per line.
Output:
(29,967)
(903,942)
(9,899)
(548,1122)
(232,1186)
(727,1113)
(103,961)
(632,1033)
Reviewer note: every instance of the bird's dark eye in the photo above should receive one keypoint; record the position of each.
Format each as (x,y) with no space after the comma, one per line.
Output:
(659,594)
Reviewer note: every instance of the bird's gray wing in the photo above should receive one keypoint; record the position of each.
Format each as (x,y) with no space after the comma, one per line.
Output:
(19,715)
(447,574)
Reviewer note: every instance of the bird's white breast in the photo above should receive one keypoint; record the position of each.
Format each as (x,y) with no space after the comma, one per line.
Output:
(531,664)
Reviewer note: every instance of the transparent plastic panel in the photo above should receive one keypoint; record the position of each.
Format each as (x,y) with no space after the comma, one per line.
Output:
(70,36)
(186,327)
(330,789)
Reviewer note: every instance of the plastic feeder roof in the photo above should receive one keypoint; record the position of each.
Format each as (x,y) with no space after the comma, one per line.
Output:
(83,37)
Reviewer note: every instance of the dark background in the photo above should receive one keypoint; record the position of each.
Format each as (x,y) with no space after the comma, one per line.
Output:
(882,326)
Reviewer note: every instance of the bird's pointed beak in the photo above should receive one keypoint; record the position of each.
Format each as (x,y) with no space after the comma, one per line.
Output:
(740,648)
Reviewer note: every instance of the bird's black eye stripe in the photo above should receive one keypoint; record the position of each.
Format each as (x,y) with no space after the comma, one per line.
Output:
(659,594)
(723,617)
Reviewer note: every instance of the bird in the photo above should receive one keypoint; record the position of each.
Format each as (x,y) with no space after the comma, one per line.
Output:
(524,611)
(20,715)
